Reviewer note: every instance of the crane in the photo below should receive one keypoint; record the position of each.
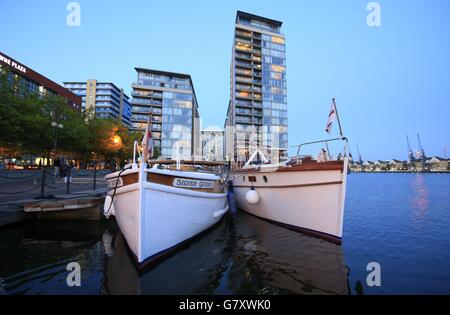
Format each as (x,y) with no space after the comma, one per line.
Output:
(421,153)
(411,157)
(360,160)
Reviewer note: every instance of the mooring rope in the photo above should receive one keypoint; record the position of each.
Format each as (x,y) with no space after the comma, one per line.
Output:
(115,188)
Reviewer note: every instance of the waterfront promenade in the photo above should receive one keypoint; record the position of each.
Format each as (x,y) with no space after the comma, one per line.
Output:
(24,185)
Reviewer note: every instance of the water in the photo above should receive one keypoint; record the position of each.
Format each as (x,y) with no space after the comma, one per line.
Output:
(401,221)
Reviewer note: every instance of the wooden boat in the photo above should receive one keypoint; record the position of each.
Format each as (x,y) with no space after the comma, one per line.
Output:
(158,208)
(303,194)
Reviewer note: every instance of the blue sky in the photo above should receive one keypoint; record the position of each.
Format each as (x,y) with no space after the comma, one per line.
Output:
(388,81)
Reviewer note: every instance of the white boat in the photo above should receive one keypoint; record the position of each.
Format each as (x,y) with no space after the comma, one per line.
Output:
(305,194)
(158,209)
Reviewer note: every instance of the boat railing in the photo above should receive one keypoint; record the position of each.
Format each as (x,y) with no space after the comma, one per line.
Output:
(326,141)
(136,149)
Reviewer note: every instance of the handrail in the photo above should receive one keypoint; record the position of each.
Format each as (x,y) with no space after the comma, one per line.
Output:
(135,146)
(320,141)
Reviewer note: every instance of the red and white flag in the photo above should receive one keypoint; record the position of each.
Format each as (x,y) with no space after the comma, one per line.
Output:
(147,142)
(331,117)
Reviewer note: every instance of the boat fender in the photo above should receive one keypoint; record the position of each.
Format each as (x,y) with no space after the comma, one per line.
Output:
(108,208)
(252,196)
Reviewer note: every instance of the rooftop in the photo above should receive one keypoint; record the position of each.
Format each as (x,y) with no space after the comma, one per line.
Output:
(166,73)
(257,17)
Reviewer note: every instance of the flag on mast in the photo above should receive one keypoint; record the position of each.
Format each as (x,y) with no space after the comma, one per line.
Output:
(147,142)
(331,117)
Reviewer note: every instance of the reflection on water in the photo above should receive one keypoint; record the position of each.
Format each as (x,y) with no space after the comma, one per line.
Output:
(401,221)
(243,256)
(247,257)
(34,256)
(419,200)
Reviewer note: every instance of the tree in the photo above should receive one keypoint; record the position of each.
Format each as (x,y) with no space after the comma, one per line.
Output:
(25,126)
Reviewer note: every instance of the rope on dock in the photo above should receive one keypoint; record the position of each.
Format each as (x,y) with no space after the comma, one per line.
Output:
(19,192)
(78,184)
(54,187)
(18,178)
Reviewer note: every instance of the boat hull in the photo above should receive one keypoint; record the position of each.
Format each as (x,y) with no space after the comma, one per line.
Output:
(155,218)
(308,200)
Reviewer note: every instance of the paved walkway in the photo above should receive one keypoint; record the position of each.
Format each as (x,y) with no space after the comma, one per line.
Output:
(17,187)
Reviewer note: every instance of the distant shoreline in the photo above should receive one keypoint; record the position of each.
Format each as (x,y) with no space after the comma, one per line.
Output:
(403,172)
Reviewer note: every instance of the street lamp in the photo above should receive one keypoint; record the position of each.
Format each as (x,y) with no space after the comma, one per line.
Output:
(56,126)
(117,139)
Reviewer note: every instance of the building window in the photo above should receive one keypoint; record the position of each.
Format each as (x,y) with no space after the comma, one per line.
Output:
(278,40)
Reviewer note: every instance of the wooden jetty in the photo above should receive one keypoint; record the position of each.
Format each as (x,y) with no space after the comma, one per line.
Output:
(83,208)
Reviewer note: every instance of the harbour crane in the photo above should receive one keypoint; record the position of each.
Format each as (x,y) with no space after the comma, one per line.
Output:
(360,160)
(421,153)
(411,157)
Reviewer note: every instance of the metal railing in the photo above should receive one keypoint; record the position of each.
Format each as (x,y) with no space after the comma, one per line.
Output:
(54,180)
(326,141)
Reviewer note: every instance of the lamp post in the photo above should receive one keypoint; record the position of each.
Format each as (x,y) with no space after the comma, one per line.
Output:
(55,127)
(117,143)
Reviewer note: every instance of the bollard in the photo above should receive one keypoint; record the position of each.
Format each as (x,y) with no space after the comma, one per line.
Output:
(42,184)
(68,180)
(95,176)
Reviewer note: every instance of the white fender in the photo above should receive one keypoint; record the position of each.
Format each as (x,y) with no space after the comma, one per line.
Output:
(252,197)
(106,207)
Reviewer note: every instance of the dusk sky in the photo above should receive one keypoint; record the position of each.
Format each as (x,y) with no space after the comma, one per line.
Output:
(388,81)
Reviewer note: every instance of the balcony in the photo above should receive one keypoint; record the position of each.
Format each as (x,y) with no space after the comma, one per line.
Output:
(257,82)
(243,72)
(244,103)
(249,95)
(246,33)
(248,80)
(248,88)
(240,41)
(248,120)
(256,43)
(146,94)
(243,33)
(147,110)
(247,111)
(252,65)
(145,102)
(243,56)
(244,79)
(248,103)
(244,64)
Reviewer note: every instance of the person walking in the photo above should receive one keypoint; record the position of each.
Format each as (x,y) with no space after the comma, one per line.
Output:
(57,168)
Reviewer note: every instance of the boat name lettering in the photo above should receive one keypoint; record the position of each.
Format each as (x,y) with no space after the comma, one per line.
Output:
(192,183)
(111,183)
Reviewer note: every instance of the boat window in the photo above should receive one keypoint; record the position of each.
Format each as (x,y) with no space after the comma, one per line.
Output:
(252,179)
(265,178)
(243,178)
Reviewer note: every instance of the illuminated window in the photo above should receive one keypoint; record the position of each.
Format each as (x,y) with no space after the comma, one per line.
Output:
(277,68)
(278,40)
(276,76)
(243,47)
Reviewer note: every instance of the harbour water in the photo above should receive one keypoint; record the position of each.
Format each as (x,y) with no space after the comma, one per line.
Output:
(401,221)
